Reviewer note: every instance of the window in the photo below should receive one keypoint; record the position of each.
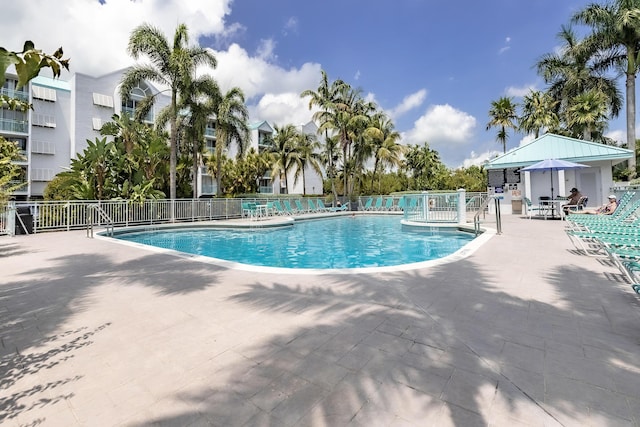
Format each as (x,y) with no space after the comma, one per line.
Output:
(44,93)
(43,120)
(41,174)
(43,147)
(102,100)
(136,95)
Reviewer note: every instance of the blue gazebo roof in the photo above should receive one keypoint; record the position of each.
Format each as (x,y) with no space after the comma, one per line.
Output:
(551,146)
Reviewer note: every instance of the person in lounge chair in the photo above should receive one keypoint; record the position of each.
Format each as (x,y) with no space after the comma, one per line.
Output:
(607,209)
(572,200)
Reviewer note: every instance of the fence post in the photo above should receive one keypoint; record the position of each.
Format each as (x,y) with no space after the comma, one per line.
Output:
(11,218)
(462,206)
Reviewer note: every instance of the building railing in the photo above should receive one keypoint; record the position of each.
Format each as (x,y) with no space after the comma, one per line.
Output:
(15,94)
(18,126)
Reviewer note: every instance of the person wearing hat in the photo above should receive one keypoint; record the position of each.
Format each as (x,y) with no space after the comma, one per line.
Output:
(606,209)
(572,200)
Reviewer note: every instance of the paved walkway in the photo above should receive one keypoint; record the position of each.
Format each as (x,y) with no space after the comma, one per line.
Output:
(522,332)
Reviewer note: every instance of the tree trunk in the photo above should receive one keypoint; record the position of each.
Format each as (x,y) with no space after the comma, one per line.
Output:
(195,169)
(631,115)
(173,147)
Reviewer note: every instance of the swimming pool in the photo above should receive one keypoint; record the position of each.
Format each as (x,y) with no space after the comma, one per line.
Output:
(345,242)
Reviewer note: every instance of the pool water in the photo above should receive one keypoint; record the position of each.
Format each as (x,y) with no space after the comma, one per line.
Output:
(333,243)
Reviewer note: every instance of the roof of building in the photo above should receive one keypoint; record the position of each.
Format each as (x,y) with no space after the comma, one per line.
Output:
(551,146)
(51,83)
(264,125)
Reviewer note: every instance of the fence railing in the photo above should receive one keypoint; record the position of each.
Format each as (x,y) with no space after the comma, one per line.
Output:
(41,216)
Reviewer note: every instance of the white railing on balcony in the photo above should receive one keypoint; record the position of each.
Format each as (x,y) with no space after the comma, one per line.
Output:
(9,125)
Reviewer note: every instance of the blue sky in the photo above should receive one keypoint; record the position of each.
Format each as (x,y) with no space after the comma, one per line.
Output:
(433,66)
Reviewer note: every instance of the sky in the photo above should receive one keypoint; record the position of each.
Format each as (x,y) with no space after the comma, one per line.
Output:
(433,66)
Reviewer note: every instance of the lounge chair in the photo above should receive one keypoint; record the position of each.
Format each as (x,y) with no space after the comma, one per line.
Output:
(401,203)
(287,207)
(378,205)
(321,206)
(367,204)
(278,209)
(312,206)
(388,205)
(300,208)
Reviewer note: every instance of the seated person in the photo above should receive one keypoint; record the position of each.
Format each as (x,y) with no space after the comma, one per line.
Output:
(572,200)
(607,209)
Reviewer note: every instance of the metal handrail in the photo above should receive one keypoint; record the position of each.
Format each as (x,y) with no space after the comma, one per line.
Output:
(485,205)
(101,214)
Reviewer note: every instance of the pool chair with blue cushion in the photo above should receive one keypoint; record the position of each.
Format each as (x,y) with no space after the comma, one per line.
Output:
(278,209)
(312,206)
(401,203)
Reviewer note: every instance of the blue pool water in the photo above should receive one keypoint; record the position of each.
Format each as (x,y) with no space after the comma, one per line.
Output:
(333,243)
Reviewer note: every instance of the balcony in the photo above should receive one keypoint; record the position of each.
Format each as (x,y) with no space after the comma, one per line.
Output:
(17,126)
(132,111)
(15,94)
(210,132)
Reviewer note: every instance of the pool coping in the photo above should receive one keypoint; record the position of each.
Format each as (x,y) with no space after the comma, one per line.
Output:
(485,234)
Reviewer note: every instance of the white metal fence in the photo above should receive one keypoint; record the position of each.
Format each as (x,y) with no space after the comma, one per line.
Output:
(39,216)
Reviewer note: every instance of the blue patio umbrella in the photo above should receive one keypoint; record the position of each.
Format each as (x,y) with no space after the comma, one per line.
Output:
(551,165)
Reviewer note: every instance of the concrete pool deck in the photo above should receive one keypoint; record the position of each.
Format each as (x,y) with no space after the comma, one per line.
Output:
(524,331)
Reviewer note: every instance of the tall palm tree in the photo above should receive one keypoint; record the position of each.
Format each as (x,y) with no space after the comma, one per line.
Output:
(571,72)
(324,98)
(616,39)
(503,116)
(283,151)
(200,102)
(306,147)
(171,66)
(384,138)
(231,125)
(538,113)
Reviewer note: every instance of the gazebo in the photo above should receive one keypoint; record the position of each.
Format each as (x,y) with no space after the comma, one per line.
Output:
(594,182)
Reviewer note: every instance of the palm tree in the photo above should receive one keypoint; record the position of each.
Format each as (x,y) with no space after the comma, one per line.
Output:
(283,150)
(616,34)
(587,114)
(231,125)
(538,113)
(324,98)
(503,115)
(384,138)
(170,66)
(571,73)
(202,99)
(306,147)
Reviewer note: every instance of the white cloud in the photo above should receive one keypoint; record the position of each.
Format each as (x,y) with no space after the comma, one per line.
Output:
(409,102)
(266,50)
(506,47)
(357,75)
(520,91)
(98,40)
(620,136)
(441,125)
(526,140)
(281,109)
(480,159)
(291,26)
(446,130)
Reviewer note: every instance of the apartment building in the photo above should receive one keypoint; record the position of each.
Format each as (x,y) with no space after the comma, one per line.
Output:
(67,113)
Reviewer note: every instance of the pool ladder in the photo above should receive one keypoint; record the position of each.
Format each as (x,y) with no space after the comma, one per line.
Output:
(102,215)
(481,209)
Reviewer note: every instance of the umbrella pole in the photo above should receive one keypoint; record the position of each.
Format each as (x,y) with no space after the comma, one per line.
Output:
(551,183)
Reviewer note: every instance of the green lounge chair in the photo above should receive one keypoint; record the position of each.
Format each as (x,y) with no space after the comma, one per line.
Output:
(388,205)
(367,204)
(378,205)
(300,208)
(287,207)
